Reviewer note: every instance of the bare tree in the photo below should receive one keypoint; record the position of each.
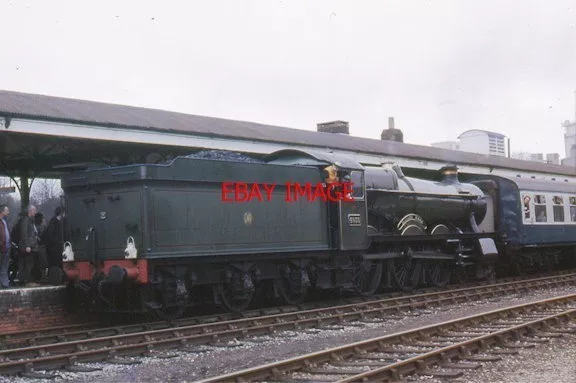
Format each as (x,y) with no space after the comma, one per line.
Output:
(45,194)
(44,189)
(11,199)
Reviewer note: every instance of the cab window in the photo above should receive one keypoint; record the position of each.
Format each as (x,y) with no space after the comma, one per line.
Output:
(357,184)
(540,208)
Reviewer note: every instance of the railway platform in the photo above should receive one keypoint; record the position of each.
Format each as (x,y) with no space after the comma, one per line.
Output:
(28,308)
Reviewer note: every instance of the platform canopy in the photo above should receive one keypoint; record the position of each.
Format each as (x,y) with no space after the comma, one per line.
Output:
(45,136)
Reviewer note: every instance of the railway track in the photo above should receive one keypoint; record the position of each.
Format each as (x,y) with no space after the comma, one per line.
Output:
(93,330)
(450,346)
(98,345)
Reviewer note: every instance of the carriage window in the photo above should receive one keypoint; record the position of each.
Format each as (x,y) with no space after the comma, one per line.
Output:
(357,189)
(558,208)
(540,208)
(526,206)
(572,201)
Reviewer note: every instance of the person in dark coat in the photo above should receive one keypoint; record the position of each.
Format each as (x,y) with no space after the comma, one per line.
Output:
(40,224)
(53,238)
(28,245)
(4,247)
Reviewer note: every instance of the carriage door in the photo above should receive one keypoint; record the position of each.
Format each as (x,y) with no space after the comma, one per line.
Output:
(353,215)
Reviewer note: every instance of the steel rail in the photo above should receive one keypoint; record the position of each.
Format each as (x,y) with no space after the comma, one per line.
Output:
(462,350)
(23,335)
(61,354)
(91,330)
(22,340)
(316,363)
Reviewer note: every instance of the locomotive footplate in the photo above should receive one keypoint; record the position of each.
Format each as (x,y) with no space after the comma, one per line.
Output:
(384,237)
(470,247)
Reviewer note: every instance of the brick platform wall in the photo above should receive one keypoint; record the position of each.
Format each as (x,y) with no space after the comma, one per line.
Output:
(34,308)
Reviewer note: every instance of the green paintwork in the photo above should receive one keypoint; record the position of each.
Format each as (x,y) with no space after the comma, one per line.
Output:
(177,210)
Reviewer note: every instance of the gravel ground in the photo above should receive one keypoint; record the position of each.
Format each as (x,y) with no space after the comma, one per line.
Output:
(558,357)
(552,362)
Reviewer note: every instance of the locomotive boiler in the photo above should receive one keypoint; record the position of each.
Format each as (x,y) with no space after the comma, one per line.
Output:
(411,206)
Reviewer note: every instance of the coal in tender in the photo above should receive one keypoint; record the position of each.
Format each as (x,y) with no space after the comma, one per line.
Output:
(223,155)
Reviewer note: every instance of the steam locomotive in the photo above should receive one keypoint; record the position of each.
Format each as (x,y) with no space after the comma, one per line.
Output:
(163,237)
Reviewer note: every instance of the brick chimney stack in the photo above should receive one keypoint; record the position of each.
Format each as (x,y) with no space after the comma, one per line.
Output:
(392,134)
(334,127)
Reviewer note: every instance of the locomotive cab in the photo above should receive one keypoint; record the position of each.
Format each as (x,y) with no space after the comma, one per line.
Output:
(346,194)
(348,218)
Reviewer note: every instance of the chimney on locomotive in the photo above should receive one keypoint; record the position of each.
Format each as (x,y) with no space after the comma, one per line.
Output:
(450,174)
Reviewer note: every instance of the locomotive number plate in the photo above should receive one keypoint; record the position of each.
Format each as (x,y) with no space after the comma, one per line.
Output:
(354,220)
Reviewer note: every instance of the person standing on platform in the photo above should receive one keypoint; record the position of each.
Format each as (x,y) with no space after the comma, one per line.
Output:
(40,224)
(28,245)
(4,247)
(54,240)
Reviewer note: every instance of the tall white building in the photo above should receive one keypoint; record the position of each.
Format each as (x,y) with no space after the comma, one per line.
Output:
(553,158)
(483,141)
(570,141)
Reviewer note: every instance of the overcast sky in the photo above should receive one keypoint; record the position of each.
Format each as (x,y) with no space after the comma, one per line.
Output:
(438,67)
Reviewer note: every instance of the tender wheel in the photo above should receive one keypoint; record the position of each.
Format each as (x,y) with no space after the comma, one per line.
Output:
(168,300)
(237,292)
(293,285)
(369,277)
(406,273)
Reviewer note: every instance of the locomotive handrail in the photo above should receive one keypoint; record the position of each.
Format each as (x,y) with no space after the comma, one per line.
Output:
(124,173)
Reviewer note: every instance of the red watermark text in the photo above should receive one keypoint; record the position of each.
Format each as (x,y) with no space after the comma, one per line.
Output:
(245,192)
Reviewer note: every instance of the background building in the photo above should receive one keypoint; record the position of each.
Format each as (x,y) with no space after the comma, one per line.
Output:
(569,143)
(483,141)
(522,156)
(549,158)
(477,141)
(553,158)
(570,140)
(451,145)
